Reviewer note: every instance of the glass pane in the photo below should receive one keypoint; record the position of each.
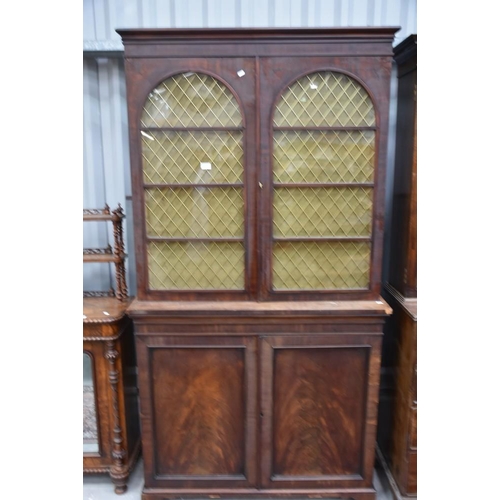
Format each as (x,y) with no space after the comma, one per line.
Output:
(196,265)
(191,100)
(322,211)
(308,265)
(176,157)
(90,435)
(194,212)
(323,156)
(325,99)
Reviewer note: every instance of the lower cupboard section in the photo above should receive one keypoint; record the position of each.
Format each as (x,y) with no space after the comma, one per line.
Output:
(245,415)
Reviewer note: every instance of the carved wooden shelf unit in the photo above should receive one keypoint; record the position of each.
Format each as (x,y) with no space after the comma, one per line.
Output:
(258,170)
(115,254)
(398,433)
(111,419)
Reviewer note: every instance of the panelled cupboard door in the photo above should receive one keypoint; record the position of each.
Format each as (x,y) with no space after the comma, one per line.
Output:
(318,410)
(193,146)
(199,411)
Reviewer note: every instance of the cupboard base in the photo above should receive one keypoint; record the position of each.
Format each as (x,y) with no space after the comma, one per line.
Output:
(274,400)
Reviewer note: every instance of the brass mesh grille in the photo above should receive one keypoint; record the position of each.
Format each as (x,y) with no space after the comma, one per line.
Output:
(324,156)
(196,266)
(320,265)
(174,157)
(325,99)
(322,211)
(194,212)
(191,100)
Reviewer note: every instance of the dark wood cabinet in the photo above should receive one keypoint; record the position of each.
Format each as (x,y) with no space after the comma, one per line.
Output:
(258,171)
(397,435)
(403,246)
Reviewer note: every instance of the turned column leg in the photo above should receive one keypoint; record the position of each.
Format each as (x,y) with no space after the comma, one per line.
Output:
(119,472)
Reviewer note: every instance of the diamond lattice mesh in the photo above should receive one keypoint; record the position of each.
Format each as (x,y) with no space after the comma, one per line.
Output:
(196,266)
(194,212)
(325,99)
(174,157)
(323,156)
(191,100)
(309,265)
(322,212)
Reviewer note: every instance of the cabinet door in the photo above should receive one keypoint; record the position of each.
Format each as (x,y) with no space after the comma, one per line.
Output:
(318,408)
(198,399)
(193,159)
(323,128)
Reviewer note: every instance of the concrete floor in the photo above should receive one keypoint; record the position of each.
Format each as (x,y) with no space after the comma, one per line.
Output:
(100,487)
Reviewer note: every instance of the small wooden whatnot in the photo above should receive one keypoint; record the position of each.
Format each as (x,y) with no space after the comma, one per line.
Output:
(115,254)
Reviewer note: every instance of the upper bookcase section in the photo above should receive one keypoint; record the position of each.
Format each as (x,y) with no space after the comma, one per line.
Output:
(258,161)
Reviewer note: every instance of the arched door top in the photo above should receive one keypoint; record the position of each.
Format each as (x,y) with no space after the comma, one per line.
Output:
(191,100)
(325,99)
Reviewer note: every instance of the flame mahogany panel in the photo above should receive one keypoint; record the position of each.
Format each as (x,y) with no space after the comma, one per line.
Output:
(199,411)
(318,411)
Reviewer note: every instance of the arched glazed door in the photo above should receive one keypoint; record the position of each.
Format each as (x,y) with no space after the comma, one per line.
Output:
(323,174)
(194,131)
(192,152)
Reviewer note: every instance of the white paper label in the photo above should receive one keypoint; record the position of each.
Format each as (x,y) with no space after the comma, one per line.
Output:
(205,165)
(241,73)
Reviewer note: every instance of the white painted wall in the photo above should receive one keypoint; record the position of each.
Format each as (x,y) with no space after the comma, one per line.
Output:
(106,176)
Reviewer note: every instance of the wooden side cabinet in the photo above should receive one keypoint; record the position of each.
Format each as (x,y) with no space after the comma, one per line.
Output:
(397,436)
(111,420)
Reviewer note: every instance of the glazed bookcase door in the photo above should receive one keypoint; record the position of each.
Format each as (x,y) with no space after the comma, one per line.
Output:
(196,197)
(321,203)
(323,163)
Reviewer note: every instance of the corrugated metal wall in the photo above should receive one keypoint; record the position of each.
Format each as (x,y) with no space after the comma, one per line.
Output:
(102,17)
(106,157)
